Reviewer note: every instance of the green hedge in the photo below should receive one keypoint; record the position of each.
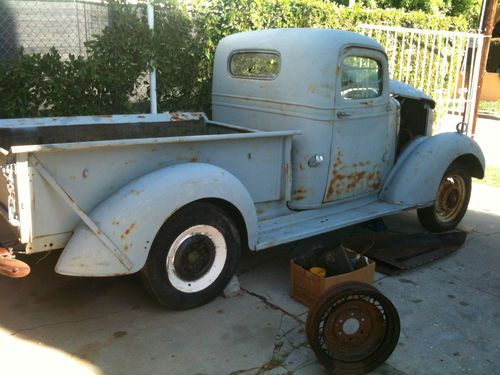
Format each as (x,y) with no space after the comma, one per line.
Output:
(111,79)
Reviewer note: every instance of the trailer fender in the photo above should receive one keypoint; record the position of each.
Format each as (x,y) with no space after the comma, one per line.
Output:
(415,178)
(132,216)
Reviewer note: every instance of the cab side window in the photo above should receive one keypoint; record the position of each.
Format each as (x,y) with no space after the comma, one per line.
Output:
(361,78)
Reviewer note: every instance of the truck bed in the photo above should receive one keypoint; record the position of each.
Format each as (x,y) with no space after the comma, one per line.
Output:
(19,132)
(92,157)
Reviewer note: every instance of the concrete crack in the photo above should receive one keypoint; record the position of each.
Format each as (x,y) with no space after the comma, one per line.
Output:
(272,305)
(244,370)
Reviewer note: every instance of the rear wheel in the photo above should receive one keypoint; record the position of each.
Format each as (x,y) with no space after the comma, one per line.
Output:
(352,328)
(451,203)
(193,257)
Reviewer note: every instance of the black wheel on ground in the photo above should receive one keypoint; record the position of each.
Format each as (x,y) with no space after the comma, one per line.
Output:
(352,328)
(452,200)
(193,257)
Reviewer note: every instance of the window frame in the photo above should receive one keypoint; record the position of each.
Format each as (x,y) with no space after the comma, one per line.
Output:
(379,81)
(362,51)
(257,51)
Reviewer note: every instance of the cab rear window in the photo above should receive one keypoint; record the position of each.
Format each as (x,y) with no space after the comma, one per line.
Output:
(251,64)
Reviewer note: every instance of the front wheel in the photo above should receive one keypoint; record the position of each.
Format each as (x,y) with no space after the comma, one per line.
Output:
(193,257)
(451,203)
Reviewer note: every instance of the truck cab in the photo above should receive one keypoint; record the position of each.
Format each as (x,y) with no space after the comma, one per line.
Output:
(333,86)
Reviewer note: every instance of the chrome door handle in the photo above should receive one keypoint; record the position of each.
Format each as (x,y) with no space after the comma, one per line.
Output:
(343,114)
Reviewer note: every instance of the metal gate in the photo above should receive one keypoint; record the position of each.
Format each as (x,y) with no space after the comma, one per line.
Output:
(443,64)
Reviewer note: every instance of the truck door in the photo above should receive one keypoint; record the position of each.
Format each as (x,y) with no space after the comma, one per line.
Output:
(364,126)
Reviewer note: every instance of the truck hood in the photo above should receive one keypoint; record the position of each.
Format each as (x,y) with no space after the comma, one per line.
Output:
(402,89)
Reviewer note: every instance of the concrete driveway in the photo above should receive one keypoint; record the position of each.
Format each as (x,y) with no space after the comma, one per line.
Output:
(450,316)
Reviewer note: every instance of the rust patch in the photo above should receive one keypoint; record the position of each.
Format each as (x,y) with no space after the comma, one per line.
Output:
(185,116)
(115,222)
(301,167)
(128,231)
(141,116)
(193,159)
(374,180)
(72,177)
(299,194)
(347,179)
(355,178)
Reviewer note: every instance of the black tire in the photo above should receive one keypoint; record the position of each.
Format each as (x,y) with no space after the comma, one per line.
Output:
(363,348)
(452,200)
(204,246)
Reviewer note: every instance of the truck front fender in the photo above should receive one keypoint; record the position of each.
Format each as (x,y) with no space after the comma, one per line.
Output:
(132,216)
(415,178)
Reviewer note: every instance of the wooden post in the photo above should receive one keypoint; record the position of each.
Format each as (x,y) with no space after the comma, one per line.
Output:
(487,25)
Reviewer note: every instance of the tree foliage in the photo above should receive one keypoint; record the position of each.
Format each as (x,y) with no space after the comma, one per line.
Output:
(113,77)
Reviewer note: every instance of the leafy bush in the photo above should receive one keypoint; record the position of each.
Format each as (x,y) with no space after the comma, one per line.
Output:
(113,76)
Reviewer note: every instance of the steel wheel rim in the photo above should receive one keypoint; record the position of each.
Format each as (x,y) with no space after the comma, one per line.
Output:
(205,275)
(451,197)
(367,339)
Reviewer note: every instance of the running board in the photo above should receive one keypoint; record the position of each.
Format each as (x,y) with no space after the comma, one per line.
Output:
(309,223)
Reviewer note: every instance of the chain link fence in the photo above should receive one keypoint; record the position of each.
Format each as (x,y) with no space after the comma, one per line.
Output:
(36,25)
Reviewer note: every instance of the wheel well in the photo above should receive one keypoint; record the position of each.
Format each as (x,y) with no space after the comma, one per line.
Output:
(234,213)
(472,163)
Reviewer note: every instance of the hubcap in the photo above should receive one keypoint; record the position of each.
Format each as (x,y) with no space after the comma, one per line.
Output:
(451,197)
(196,258)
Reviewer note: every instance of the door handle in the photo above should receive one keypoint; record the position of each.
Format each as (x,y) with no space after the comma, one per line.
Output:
(343,114)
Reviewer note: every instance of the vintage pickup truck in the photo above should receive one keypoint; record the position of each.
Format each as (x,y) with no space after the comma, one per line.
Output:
(308,135)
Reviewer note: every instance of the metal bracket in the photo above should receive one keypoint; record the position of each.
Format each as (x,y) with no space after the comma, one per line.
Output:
(462,127)
(120,255)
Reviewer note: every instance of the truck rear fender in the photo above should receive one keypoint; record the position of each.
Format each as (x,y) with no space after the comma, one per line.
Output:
(132,216)
(415,178)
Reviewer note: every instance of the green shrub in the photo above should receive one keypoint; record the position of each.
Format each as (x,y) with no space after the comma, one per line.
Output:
(112,78)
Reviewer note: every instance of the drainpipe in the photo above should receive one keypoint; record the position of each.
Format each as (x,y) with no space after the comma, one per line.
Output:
(486,25)
(152,72)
